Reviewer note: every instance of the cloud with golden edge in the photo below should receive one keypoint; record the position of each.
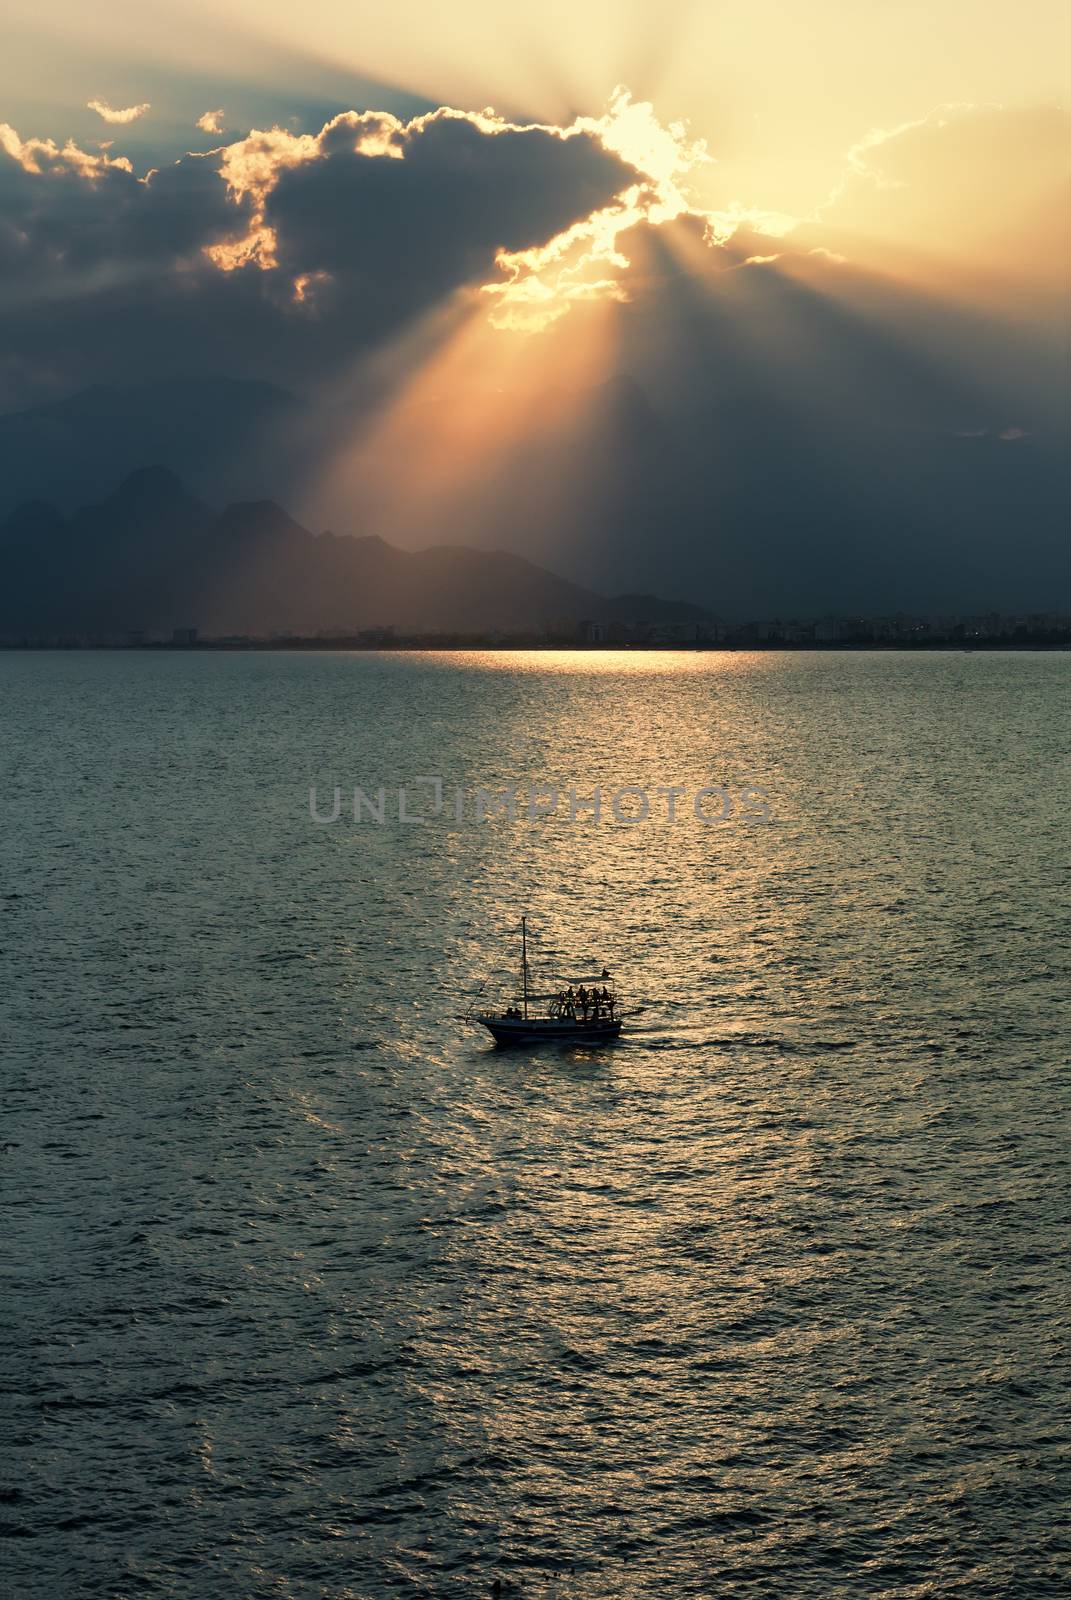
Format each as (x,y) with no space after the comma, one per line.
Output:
(586,261)
(211,122)
(579,264)
(110,114)
(252,167)
(539,283)
(42,157)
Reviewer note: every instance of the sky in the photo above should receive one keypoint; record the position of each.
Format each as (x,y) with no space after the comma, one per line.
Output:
(607,283)
(781,91)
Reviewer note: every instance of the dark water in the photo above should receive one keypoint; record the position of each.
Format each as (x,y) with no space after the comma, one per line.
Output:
(308,1292)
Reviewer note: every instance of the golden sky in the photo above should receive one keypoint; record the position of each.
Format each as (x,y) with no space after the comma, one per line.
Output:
(779,89)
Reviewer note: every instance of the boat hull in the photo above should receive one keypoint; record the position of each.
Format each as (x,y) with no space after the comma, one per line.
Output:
(515,1030)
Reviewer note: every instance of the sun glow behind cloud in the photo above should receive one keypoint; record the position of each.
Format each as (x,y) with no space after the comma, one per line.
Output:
(540,283)
(583,262)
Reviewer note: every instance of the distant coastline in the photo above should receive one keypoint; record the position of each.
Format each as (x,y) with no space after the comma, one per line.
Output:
(448,643)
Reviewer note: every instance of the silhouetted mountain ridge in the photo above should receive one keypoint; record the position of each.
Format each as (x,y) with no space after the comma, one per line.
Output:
(153,556)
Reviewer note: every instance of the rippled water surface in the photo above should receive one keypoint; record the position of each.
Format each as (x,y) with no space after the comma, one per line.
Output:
(310,1292)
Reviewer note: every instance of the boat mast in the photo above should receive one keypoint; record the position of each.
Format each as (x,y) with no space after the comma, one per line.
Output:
(524,963)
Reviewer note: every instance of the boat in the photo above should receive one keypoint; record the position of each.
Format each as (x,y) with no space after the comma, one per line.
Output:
(568,1015)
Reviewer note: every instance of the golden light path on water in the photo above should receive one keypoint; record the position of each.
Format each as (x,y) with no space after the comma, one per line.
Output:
(630,663)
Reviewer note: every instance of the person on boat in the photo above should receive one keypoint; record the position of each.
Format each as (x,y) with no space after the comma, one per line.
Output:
(582,996)
(608,1001)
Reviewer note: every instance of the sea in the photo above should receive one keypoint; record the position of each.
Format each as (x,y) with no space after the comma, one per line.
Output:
(310,1291)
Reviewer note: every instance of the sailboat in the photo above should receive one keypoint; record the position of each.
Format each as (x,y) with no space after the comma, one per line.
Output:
(583,1010)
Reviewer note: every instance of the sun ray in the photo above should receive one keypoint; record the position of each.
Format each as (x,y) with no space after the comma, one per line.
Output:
(455,399)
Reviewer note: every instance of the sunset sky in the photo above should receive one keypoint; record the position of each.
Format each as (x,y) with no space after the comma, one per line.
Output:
(480,240)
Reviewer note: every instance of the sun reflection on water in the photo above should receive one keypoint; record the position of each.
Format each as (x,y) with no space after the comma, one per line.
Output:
(611,662)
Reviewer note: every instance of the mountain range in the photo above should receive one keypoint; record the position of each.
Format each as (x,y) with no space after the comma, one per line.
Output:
(154,557)
(719,480)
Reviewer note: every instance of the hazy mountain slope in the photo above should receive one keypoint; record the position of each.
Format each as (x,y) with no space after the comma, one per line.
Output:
(220,431)
(152,556)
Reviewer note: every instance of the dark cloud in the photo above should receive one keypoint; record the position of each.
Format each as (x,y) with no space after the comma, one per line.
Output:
(66,235)
(437,217)
(124,276)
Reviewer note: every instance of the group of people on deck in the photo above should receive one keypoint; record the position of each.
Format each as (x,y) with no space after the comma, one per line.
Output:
(585,1005)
